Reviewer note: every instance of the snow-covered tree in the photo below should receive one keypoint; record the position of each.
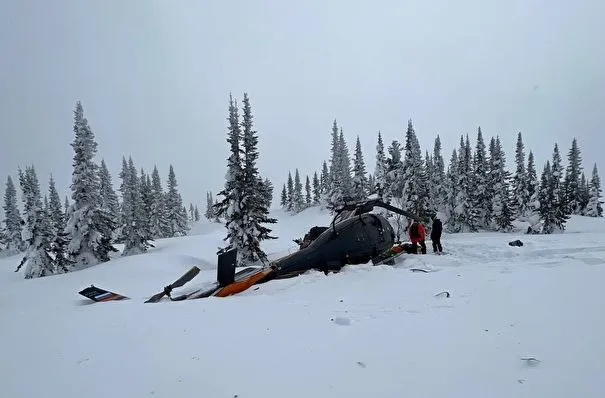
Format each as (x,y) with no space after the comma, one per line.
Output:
(482,191)
(191,212)
(340,179)
(553,211)
(595,205)
(109,198)
(55,208)
(324,179)
(135,235)
(466,213)
(415,188)
(584,194)
(308,197)
(532,214)
(571,183)
(176,214)
(158,218)
(209,213)
(290,192)
(12,219)
(360,179)
(196,214)
(519,184)
(89,226)
(452,222)
(297,194)
(284,198)
(380,170)
(437,181)
(502,207)
(316,189)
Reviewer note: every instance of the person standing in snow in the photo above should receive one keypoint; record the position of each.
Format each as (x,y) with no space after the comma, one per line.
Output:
(417,235)
(436,231)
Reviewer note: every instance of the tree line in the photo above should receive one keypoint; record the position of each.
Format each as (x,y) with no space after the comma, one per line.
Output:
(474,192)
(58,237)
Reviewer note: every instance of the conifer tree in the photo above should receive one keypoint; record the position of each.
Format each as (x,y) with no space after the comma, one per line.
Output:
(519,185)
(560,208)
(503,211)
(380,170)
(191,212)
(146,189)
(360,179)
(209,214)
(533,191)
(571,185)
(176,217)
(284,198)
(595,205)
(108,196)
(55,210)
(452,222)
(89,226)
(394,173)
(324,179)
(548,201)
(584,194)
(308,197)
(481,194)
(316,189)
(133,211)
(290,193)
(438,182)
(297,200)
(196,214)
(466,212)
(12,219)
(158,218)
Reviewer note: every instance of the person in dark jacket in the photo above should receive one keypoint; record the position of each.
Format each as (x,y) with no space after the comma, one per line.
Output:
(436,230)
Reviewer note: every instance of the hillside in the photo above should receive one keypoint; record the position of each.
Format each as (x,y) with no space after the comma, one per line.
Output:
(368,331)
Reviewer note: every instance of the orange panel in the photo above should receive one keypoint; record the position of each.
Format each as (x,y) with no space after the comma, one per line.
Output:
(240,286)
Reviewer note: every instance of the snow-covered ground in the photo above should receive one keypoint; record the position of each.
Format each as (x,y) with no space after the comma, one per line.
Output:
(368,331)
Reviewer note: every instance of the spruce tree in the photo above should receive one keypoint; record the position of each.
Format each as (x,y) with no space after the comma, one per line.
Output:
(360,180)
(209,213)
(89,226)
(595,205)
(452,221)
(308,197)
(316,189)
(133,212)
(147,201)
(284,198)
(560,209)
(109,198)
(548,201)
(12,219)
(502,207)
(196,214)
(55,208)
(176,213)
(438,182)
(571,185)
(466,211)
(482,199)
(297,200)
(191,212)
(158,218)
(533,191)
(380,170)
(519,185)
(394,173)
(584,194)
(290,193)
(231,207)
(324,179)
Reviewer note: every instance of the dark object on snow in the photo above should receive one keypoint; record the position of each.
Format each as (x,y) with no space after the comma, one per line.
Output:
(443,294)
(517,243)
(187,276)
(97,294)
(436,231)
(355,236)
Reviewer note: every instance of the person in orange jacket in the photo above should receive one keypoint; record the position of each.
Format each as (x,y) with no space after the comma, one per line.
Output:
(417,235)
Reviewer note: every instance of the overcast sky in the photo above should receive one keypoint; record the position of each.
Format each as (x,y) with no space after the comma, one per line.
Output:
(154,78)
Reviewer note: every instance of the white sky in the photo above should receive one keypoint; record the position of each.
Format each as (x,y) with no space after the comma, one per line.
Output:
(154,78)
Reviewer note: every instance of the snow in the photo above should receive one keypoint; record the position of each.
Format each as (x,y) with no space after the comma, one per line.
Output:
(519,322)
